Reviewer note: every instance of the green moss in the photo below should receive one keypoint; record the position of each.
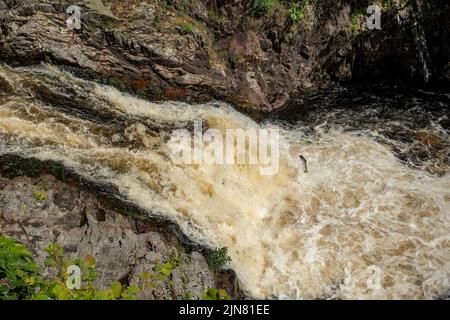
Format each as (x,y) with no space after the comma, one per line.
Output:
(39,193)
(40,196)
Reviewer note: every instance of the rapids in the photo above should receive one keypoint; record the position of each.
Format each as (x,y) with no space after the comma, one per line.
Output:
(371,218)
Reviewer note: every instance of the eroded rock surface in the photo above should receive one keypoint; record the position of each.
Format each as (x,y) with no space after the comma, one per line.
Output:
(202,49)
(42,210)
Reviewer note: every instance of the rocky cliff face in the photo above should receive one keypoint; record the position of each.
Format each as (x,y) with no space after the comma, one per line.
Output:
(40,210)
(205,49)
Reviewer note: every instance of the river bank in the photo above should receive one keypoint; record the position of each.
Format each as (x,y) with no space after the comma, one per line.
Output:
(39,209)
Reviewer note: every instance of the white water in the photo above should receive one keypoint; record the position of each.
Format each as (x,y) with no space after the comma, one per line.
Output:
(357,217)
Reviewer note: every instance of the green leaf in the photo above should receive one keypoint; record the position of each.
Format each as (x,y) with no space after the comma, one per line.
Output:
(214,294)
(166,269)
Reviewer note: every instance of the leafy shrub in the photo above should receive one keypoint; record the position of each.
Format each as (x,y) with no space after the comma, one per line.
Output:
(21,278)
(18,272)
(219,258)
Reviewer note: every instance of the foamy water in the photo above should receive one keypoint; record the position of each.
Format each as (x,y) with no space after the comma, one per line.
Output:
(361,224)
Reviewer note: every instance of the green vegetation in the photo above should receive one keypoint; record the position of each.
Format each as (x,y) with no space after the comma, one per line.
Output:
(261,7)
(187,28)
(39,193)
(355,23)
(297,10)
(295,14)
(40,196)
(164,270)
(22,279)
(219,258)
(214,294)
(18,272)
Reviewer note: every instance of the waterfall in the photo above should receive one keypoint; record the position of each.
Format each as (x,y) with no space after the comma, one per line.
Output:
(360,224)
